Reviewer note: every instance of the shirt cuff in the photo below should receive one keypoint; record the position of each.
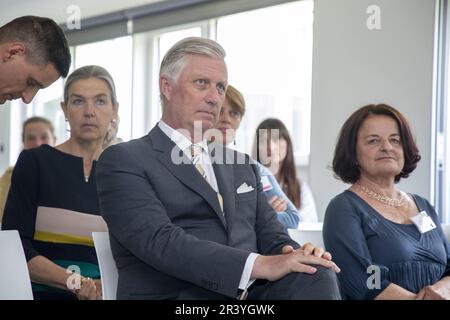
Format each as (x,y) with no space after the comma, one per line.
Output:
(245,278)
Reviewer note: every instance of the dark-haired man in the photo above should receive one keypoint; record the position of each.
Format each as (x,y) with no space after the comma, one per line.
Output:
(33,54)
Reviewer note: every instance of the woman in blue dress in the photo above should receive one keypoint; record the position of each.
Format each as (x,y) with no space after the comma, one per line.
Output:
(388,243)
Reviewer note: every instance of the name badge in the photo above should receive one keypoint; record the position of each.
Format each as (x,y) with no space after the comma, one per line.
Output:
(266,183)
(423,222)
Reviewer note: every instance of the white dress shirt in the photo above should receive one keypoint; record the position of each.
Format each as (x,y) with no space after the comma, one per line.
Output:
(184,144)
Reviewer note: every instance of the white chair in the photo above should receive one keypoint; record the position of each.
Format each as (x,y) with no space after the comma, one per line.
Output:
(15,281)
(310,226)
(304,236)
(108,268)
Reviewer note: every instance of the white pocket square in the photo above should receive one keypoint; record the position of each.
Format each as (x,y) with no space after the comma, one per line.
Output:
(243,188)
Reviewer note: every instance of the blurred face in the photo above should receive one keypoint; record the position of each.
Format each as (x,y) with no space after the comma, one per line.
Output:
(89,109)
(197,94)
(20,78)
(229,122)
(37,133)
(379,147)
(272,150)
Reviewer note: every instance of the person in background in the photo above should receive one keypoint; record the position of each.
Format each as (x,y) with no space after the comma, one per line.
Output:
(53,200)
(231,114)
(34,54)
(389,243)
(35,131)
(274,149)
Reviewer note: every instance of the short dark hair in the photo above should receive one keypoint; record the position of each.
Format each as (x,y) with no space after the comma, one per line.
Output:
(44,40)
(37,120)
(345,164)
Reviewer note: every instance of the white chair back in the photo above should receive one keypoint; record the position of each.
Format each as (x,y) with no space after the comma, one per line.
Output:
(15,281)
(310,226)
(304,236)
(108,268)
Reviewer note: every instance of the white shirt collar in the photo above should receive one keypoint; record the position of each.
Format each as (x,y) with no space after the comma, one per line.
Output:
(184,143)
(180,139)
(232,146)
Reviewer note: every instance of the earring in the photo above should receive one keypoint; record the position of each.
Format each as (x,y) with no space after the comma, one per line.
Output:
(113,121)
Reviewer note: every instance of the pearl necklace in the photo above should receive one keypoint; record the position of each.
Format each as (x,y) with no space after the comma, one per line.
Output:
(396,203)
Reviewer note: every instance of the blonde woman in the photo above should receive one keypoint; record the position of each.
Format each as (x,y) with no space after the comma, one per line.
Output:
(53,200)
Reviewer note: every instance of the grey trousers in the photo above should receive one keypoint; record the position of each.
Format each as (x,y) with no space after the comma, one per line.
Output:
(322,285)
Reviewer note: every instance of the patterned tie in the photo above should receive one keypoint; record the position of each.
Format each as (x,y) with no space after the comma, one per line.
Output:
(196,151)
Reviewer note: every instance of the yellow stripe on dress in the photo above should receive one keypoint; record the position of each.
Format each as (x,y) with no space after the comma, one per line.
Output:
(63,238)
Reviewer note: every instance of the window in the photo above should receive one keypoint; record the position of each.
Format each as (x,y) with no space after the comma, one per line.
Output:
(168,39)
(441,119)
(271,63)
(282,50)
(165,41)
(49,106)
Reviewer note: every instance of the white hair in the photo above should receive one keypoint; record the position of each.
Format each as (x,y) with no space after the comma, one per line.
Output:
(174,60)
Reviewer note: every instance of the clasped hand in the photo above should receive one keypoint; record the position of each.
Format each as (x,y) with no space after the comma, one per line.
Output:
(89,289)
(433,293)
(275,267)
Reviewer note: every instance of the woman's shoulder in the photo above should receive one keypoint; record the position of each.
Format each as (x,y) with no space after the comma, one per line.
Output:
(41,156)
(342,198)
(346,208)
(345,202)
(42,150)
(419,198)
(423,203)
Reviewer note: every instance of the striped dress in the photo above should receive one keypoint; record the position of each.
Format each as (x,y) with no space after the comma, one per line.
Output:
(55,209)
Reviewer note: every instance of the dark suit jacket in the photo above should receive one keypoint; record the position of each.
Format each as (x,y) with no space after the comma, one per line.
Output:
(168,234)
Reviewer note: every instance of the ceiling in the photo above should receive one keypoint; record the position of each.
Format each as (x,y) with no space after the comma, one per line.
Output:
(56,9)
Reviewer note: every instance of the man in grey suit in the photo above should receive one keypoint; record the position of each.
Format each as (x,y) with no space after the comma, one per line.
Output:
(184,226)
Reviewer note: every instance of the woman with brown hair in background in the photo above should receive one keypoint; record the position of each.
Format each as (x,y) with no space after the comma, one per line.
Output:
(274,149)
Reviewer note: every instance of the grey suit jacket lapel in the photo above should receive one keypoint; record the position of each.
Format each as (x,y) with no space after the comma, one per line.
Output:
(225,181)
(184,172)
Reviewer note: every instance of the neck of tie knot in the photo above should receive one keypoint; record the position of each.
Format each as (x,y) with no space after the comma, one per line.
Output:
(196,150)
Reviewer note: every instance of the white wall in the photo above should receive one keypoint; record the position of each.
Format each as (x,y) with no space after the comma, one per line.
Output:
(353,66)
